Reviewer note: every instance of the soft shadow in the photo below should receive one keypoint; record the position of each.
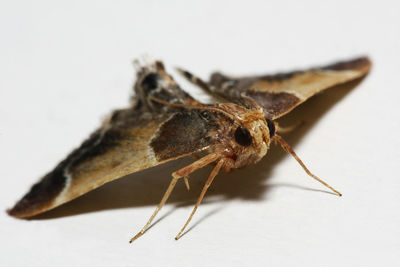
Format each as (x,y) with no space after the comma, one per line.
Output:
(207,215)
(287,185)
(147,187)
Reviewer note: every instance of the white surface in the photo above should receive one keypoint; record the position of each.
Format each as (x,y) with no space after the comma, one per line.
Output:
(65,65)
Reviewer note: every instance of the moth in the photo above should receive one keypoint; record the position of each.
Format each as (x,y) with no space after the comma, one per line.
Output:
(164,123)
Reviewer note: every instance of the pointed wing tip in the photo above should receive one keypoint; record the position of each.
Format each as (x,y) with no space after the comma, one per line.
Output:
(367,63)
(19,211)
(11,212)
(362,64)
(26,207)
(40,197)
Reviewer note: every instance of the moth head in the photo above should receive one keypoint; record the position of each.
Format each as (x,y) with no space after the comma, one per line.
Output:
(249,134)
(244,138)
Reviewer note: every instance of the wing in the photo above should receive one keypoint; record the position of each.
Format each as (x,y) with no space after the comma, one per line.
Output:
(280,93)
(144,135)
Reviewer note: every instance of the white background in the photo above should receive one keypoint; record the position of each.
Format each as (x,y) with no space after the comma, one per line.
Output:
(65,65)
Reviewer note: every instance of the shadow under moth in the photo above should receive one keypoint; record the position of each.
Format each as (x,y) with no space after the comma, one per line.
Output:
(165,123)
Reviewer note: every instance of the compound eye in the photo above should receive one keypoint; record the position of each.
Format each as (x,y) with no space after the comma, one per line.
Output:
(243,136)
(271,127)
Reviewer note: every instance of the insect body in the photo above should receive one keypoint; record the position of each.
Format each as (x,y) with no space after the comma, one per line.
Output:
(165,123)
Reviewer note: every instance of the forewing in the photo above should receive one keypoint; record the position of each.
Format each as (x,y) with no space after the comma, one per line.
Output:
(130,140)
(280,93)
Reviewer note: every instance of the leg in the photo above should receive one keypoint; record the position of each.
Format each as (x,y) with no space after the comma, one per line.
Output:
(186,179)
(210,179)
(288,149)
(184,172)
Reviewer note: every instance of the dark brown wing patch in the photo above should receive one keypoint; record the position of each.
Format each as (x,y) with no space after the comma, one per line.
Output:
(275,103)
(184,133)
